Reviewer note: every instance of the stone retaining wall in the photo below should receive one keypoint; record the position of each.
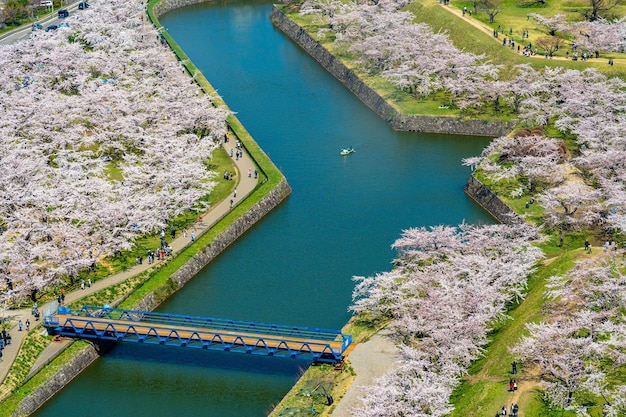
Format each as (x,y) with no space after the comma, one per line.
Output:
(221,242)
(397,120)
(490,202)
(59,380)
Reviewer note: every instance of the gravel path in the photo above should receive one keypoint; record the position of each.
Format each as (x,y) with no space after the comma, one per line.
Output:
(369,360)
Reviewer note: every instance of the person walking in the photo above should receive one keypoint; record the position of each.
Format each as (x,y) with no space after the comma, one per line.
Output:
(193,237)
(235,193)
(19,325)
(27,325)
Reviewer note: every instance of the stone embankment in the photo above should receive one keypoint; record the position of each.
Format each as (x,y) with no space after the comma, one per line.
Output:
(397,120)
(165,6)
(446,125)
(63,377)
(490,202)
(221,242)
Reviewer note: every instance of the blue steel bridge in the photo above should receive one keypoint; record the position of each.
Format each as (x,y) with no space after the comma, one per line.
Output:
(89,322)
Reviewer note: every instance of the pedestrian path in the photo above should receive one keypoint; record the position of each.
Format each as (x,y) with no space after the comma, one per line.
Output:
(244,186)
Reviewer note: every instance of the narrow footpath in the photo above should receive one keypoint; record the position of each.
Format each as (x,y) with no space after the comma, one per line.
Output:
(244,186)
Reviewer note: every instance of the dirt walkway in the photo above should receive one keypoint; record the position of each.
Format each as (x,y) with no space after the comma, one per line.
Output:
(245,185)
(369,360)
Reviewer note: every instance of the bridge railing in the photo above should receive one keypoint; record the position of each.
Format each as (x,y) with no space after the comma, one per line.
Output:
(202,322)
(92,322)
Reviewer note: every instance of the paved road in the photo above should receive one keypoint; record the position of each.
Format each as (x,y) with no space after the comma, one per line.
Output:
(245,185)
(25,31)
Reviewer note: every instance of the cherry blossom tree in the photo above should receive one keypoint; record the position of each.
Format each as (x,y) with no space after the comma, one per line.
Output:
(447,285)
(554,24)
(583,339)
(534,159)
(103,135)
(570,206)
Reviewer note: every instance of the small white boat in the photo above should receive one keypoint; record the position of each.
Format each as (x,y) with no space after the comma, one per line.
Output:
(346,151)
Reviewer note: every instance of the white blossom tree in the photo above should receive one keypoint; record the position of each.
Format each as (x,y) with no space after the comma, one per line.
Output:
(101,135)
(447,285)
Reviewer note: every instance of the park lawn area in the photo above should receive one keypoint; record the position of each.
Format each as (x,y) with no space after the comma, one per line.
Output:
(471,39)
(485,389)
(465,37)
(401,100)
(219,163)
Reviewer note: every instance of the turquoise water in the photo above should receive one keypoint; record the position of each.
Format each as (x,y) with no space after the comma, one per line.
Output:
(295,266)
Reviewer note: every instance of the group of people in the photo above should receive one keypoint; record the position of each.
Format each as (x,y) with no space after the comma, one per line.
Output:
(20,326)
(158,254)
(513,411)
(610,246)
(238,151)
(512,388)
(526,50)
(5,339)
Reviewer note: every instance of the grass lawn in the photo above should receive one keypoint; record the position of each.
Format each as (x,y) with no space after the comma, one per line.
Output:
(469,38)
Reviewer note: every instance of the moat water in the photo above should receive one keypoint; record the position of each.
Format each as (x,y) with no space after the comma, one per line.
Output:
(296,266)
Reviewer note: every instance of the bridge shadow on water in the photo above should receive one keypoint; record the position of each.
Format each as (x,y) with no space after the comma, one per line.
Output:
(177,357)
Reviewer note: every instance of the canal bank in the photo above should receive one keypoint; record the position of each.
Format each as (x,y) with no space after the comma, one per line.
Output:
(216,231)
(395,119)
(233,228)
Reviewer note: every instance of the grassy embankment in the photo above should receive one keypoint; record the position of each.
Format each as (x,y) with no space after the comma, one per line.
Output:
(484,391)
(157,279)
